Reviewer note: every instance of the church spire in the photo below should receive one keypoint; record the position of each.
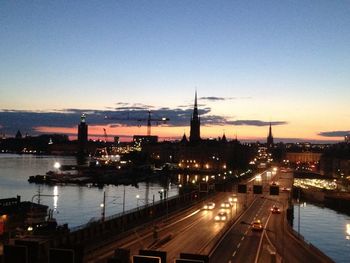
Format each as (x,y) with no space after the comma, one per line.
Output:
(195,123)
(270,138)
(195,109)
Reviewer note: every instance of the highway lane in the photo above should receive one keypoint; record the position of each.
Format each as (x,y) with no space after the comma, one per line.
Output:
(288,247)
(190,230)
(196,233)
(193,230)
(240,243)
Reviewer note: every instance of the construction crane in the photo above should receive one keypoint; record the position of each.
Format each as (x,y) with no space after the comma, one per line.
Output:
(105,134)
(149,120)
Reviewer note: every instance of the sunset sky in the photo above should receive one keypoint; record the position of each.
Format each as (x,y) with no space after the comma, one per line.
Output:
(251,62)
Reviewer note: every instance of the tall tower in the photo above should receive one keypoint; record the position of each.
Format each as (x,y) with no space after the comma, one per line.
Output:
(195,123)
(270,138)
(82,133)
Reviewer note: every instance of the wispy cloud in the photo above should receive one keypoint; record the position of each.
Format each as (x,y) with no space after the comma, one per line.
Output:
(334,133)
(257,123)
(213,98)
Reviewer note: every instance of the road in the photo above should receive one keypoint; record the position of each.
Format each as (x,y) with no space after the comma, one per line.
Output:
(240,243)
(193,230)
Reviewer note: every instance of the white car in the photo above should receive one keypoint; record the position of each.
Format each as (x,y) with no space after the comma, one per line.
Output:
(222,216)
(209,206)
(226,205)
(233,199)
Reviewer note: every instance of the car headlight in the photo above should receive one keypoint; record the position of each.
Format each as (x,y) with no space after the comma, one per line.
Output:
(217,218)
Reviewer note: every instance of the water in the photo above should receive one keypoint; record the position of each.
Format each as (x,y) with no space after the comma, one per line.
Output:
(74,205)
(326,229)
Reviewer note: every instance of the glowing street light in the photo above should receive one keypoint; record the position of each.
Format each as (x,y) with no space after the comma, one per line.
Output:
(57,165)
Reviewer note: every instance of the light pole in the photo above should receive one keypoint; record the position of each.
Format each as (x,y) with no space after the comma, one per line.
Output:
(137,201)
(103,206)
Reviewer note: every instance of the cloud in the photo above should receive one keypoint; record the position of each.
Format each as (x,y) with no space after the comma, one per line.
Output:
(334,133)
(213,98)
(133,106)
(125,115)
(257,123)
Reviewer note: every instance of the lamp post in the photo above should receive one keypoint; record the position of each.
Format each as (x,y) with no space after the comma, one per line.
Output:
(236,204)
(137,201)
(103,206)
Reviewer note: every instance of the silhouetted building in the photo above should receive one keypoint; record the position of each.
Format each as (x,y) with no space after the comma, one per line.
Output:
(223,139)
(82,133)
(184,139)
(335,160)
(195,123)
(18,135)
(269,143)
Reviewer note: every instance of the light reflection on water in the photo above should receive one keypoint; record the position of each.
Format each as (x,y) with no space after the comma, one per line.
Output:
(326,229)
(72,204)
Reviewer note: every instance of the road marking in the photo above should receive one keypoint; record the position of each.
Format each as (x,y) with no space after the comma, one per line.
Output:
(239,244)
(242,238)
(229,261)
(234,253)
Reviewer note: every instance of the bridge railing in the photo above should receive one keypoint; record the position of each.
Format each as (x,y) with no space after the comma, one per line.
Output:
(120,214)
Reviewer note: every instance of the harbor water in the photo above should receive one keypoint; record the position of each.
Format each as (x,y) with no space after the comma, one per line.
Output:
(72,204)
(326,229)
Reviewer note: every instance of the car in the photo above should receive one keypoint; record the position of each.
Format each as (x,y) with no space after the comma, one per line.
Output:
(209,206)
(274,183)
(221,216)
(257,225)
(226,205)
(285,189)
(275,209)
(233,199)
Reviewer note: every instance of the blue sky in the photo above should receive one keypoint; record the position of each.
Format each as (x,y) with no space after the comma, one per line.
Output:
(286,61)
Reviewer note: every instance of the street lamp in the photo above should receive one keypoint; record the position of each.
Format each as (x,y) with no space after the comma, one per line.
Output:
(137,200)
(57,165)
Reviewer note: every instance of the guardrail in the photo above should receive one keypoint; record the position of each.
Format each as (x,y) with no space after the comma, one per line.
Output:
(308,244)
(133,210)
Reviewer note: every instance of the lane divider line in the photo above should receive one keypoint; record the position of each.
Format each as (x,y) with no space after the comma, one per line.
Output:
(261,239)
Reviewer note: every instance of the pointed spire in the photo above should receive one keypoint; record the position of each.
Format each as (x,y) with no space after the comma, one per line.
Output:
(223,139)
(270,137)
(184,138)
(195,122)
(195,109)
(195,99)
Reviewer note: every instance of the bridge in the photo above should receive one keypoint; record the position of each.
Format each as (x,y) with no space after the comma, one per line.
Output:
(180,225)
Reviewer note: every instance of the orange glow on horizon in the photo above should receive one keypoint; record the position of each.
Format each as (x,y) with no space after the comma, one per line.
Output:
(175,133)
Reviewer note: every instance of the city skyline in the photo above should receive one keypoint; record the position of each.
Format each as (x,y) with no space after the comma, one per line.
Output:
(251,63)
